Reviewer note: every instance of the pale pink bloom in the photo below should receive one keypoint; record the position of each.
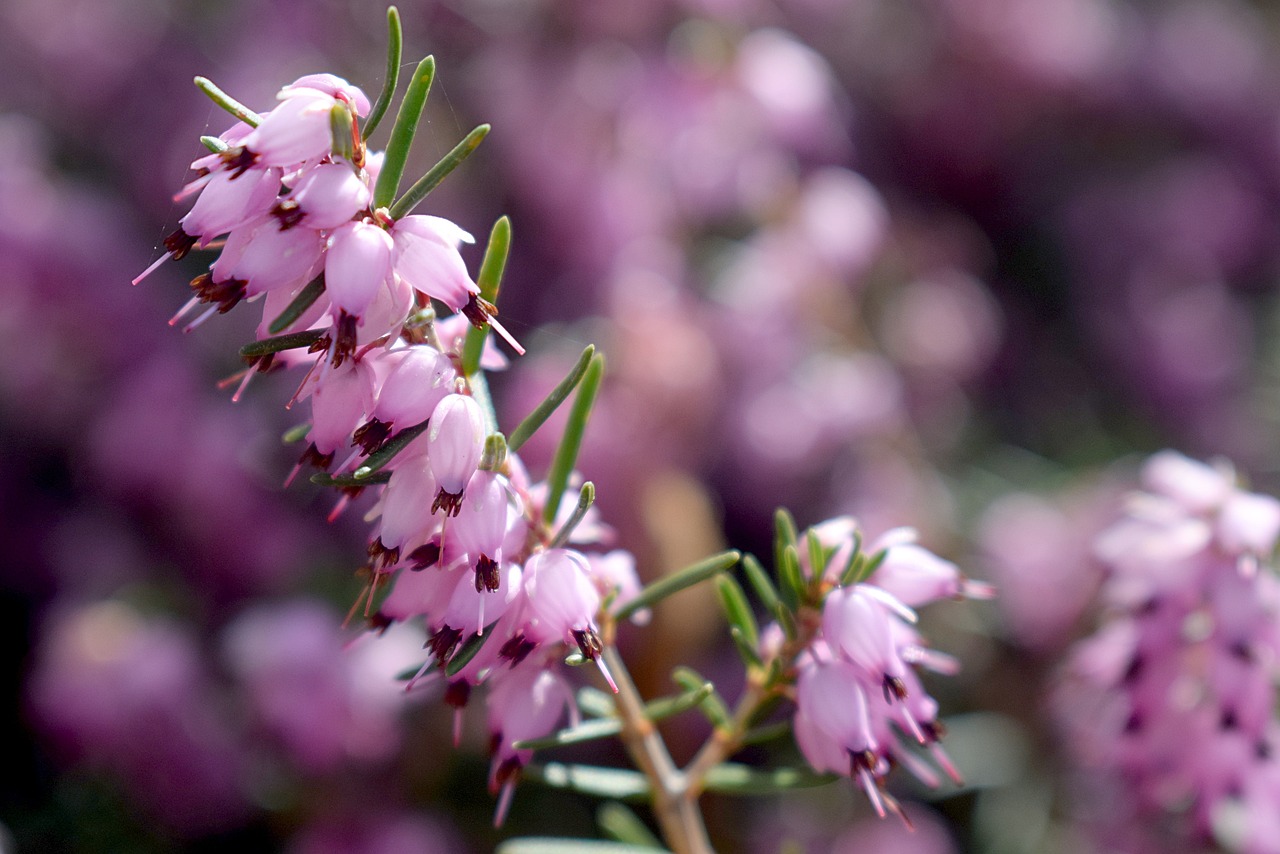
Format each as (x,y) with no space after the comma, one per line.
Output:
(295,131)
(615,572)
(226,202)
(265,258)
(356,265)
(560,599)
(916,576)
(339,400)
(524,703)
(332,85)
(478,532)
(1194,485)
(405,524)
(856,623)
(427,258)
(421,378)
(1249,523)
(326,196)
(455,441)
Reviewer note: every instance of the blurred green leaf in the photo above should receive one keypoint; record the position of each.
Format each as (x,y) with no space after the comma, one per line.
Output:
(679,580)
(619,822)
(556,845)
(615,783)
(730,778)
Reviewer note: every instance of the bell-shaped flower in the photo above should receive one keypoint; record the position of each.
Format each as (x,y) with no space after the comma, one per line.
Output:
(525,703)
(326,196)
(455,441)
(916,576)
(427,258)
(294,132)
(413,389)
(560,601)
(339,401)
(480,528)
(332,85)
(856,622)
(266,258)
(226,202)
(356,265)
(405,524)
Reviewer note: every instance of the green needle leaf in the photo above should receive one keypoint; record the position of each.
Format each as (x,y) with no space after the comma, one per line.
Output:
(586,498)
(767,732)
(679,580)
(468,651)
(296,434)
(731,778)
(323,478)
(571,441)
(214,144)
(591,730)
(395,47)
(402,133)
(292,341)
(761,583)
(620,822)
(737,610)
(303,301)
(784,534)
(226,102)
(557,845)
(558,395)
(428,182)
(489,280)
(712,706)
(397,443)
(817,554)
(793,586)
(614,783)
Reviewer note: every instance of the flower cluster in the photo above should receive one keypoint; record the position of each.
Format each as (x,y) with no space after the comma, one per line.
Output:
(460,531)
(1175,694)
(857,686)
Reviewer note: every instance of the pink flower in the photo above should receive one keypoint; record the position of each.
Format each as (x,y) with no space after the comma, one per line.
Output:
(326,196)
(455,441)
(356,265)
(427,257)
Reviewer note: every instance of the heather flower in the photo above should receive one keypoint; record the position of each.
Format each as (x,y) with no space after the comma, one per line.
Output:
(856,687)
(454,442)
(524,703)
(1183,664)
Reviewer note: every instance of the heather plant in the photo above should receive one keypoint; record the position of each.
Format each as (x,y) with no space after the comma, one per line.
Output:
(511,574)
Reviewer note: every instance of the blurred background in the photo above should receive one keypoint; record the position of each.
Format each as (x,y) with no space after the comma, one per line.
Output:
(954,264)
